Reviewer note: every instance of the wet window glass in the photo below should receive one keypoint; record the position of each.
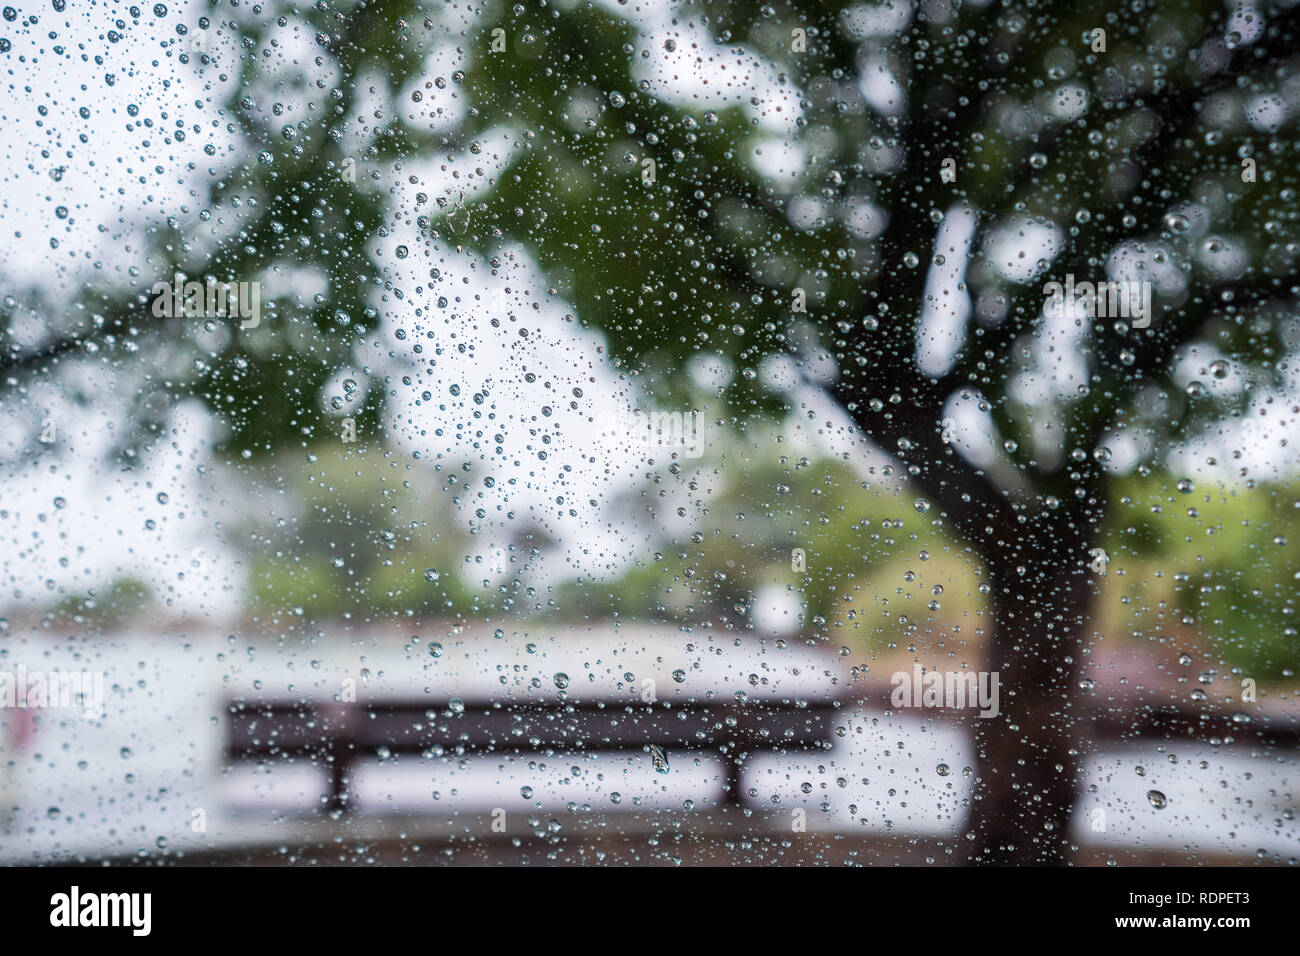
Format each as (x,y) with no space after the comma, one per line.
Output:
(637,433)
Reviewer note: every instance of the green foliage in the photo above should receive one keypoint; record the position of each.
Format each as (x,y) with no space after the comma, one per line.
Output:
(1213,561)
(1222,557)
(121,602)
(708,257)
(872,556)
(364,534)
(1104,148)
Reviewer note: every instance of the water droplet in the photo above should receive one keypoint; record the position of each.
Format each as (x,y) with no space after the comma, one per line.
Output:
(659,758)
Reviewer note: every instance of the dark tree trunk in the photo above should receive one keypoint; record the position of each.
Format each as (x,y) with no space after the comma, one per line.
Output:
(1036,562)
(1028,757)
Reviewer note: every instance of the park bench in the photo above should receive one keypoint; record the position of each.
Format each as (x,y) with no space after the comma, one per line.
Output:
(337,736)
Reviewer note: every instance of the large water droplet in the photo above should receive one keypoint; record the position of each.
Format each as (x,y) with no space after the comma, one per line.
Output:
(659,758)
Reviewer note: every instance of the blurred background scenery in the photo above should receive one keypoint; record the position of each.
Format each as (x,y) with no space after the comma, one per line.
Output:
(626,397)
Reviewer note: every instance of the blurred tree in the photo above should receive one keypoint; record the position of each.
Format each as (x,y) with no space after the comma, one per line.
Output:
(121,602)
(1126,151)
(741,571)
(359,533)
(1067,154)
(1217,553)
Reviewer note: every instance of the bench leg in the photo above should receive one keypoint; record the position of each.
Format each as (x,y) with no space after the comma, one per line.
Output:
(340,771)
(735,765)
(338,792)
(339,720)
